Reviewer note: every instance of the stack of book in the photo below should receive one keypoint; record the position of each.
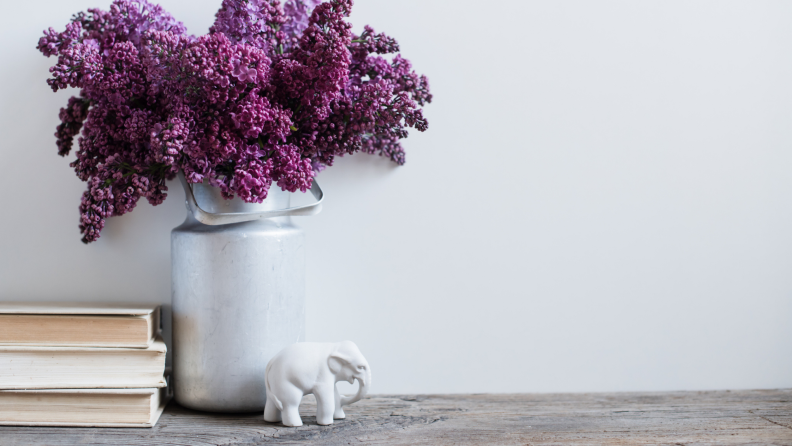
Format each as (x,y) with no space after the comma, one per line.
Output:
(81,365)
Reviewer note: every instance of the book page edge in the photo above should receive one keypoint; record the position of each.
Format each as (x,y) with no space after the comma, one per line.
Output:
(151,423)
(67,386)
(156,345)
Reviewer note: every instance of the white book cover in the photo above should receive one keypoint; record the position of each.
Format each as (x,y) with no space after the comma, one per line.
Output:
(114,309)
(83,407)
(36,367)
(79,324)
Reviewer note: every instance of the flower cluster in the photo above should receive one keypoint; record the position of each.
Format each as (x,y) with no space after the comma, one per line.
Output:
(253,22)
(271,95)
(297,13)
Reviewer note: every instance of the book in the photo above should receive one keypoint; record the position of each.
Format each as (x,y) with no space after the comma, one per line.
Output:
(83,407)
(40,367)
(75,325)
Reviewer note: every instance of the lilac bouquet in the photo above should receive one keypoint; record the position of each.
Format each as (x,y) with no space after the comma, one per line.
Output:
(272,94)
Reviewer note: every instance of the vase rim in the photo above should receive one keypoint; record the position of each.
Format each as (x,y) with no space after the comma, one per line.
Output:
(210,199)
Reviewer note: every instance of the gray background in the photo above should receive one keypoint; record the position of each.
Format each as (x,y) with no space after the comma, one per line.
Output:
(601,202)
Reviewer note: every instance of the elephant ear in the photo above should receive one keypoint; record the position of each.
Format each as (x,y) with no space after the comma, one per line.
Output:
(336,362)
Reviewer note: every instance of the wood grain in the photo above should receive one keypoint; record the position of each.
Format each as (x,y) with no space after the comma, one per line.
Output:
(670,418)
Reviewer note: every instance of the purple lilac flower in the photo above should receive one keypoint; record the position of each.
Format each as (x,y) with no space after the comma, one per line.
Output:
(270,95)
(100,53)
(253,22)
(72,118)
(297,13)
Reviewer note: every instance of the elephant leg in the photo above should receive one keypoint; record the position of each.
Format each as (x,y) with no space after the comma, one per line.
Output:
(291,407)
(271,412)
(338,414)
(324,404)
(291,415)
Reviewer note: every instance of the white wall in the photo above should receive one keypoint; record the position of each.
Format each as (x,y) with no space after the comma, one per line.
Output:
(602,201)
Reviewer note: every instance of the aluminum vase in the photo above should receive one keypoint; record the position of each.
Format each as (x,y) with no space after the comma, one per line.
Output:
(238,290)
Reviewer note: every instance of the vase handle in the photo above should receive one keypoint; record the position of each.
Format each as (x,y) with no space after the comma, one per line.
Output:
(212,219)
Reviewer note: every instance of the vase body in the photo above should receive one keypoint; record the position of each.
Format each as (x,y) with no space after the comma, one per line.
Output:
(238,295)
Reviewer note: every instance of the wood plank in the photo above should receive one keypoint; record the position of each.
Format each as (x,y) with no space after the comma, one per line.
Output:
(673,418)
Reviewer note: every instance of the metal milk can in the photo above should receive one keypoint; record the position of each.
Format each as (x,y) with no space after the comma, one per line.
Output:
(238,288)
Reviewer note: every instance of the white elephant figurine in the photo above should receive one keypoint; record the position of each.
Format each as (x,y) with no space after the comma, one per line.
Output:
(313,367)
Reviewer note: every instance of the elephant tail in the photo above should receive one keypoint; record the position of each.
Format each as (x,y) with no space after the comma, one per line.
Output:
(271,396)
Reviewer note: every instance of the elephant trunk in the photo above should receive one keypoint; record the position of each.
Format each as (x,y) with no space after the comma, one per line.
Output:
(363,386)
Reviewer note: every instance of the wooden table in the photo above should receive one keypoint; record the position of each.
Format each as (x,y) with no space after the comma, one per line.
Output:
(672,418)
